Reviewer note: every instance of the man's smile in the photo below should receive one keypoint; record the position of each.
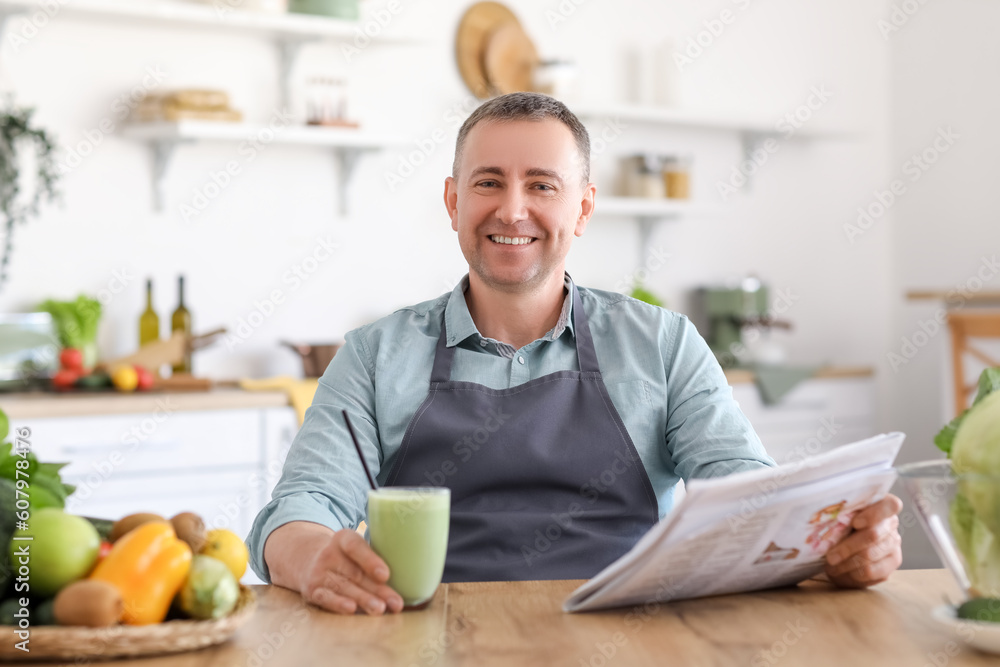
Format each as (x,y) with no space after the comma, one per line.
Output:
(511,240)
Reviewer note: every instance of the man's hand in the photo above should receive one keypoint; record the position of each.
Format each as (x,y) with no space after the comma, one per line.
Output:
(337,571)
(872,552)
(346,575)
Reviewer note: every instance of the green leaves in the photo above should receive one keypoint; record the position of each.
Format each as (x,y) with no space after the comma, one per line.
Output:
(45,489)
(76,321)
(989,381)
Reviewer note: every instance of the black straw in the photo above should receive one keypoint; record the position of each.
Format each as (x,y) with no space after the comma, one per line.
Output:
(357,446)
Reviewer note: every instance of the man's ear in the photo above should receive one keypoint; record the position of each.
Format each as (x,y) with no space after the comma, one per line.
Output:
(451,201)
(586,209)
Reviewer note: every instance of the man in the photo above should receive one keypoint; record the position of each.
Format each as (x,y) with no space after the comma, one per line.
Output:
(522,393)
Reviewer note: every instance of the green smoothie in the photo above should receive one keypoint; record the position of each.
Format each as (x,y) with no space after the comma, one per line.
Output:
(408,528)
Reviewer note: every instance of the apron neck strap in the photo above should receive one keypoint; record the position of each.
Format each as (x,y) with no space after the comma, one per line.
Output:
(585,352)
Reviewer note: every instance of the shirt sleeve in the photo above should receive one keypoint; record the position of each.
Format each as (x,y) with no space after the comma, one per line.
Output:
(707,433)
(322,480)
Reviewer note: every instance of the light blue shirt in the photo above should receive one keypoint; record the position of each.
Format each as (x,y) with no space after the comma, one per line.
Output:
(662,377)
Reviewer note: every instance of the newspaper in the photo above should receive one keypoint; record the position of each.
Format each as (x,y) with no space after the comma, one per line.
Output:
(748,531)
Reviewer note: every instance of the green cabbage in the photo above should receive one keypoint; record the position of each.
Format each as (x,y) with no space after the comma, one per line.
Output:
(972,441)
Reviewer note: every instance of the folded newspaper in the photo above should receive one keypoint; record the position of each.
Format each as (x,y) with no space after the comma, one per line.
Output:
(748,531)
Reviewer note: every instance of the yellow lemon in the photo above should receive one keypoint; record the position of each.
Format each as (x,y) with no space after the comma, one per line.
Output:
(125,378)
(225,545)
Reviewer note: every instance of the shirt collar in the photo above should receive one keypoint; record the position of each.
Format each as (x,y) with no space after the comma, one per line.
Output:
(459,324)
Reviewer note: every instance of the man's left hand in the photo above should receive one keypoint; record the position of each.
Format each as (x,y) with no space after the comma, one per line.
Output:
(872,552)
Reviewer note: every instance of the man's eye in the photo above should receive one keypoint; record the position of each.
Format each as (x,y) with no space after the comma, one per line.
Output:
(488,184)
(545,186)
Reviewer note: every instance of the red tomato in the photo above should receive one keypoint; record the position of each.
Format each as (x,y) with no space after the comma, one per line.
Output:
(105,550)
(71,359)
(64,379)
(145,382)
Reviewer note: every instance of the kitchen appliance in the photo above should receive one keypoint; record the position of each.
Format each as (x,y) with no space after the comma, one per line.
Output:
(29,349)
(315,357)
(728,311)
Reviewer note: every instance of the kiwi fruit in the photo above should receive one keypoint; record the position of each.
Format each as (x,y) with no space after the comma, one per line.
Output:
(191,529)
(89,602)
(130,522)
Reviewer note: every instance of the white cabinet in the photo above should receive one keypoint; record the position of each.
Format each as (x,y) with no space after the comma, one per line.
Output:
(817,415)
(221,464)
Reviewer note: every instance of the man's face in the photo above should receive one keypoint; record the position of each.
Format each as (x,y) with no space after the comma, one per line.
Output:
(521,182)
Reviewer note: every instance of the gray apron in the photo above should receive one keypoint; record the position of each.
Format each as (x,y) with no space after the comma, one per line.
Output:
(545,481)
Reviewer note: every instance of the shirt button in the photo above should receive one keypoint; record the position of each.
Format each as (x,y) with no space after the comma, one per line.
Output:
(520,360)
(483,343)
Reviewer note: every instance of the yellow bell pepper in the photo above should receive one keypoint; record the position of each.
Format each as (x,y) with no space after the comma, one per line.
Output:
(147,566)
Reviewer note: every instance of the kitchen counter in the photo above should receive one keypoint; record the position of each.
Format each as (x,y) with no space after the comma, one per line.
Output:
(38,405)
(521,623)
(739,375)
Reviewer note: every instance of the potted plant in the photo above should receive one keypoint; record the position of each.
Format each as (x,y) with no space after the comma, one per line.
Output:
(20,195)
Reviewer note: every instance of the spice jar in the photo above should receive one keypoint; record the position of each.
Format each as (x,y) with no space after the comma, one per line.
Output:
(643,177)
(676,173)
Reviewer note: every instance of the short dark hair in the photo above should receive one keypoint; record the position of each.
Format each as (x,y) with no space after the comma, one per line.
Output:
(526,106)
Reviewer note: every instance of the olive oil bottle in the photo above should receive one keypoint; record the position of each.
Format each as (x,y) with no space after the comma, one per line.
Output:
(149,321)
(181,321)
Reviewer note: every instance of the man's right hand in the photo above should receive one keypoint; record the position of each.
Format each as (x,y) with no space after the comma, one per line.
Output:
(337,571)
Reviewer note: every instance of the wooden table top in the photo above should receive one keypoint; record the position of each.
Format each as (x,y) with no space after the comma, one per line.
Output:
(521,623)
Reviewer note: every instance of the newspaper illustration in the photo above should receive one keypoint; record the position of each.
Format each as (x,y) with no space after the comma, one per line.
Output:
(748,531)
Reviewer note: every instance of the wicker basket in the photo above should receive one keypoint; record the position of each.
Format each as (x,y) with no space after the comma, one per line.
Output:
(124,641)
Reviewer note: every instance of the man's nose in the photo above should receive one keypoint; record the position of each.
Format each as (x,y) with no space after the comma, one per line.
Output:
(513,206)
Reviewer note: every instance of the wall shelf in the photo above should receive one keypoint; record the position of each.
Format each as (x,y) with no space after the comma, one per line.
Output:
(288,31)
(648,213)
(164,137)
(752,131)
(276,26)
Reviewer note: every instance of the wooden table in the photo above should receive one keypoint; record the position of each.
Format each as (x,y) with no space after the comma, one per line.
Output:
(521,624)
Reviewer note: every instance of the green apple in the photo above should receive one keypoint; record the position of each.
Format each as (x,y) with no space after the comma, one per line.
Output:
(62,549)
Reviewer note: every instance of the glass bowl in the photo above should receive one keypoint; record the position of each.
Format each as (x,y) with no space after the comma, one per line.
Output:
(961,515)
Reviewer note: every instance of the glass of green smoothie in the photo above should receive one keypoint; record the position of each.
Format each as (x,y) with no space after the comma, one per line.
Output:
(408,528)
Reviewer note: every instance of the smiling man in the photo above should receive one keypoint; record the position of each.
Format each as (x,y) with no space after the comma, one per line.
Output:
(533,399)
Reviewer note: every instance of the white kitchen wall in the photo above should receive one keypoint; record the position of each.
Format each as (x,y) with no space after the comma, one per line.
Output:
(945,232)
(396,247)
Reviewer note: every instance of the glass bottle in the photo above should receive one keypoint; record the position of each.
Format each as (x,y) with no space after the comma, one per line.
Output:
(181,321)
(149,321)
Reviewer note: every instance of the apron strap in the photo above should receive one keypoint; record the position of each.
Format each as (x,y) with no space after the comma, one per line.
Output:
(585,351)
